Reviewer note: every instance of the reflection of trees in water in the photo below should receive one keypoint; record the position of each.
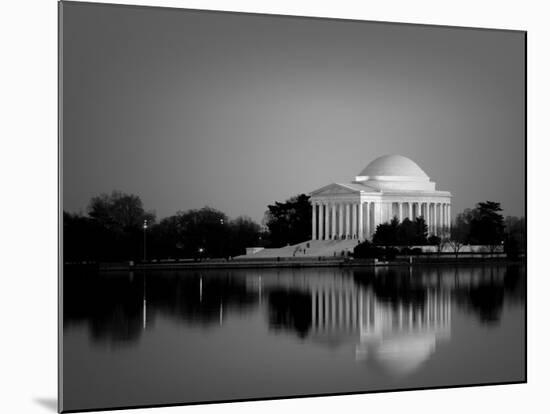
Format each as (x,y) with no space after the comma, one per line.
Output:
(515,283)
(113,304)
(481,290)
(112,307)
(485,301)
(497,285)
(290,309)
(198,300)
(396,286)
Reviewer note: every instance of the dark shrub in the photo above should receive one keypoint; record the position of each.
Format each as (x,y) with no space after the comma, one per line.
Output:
(434,240)
(366,250)
(390,253)
(511,248)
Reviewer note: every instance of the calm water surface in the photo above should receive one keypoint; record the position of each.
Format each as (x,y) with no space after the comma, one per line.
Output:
(164,337)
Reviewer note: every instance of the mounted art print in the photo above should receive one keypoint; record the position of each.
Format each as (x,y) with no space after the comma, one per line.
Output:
(262,206)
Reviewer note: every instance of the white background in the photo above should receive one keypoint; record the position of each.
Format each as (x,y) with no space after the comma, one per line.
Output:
(28,207)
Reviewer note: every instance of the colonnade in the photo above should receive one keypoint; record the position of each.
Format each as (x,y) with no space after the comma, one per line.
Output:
(378,316)
(349,310)
(335,220)
(335,309)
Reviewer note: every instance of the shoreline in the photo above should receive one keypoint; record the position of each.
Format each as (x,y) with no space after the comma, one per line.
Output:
(296,263)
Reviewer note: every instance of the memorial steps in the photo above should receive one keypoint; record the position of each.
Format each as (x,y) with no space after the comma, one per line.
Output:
(317,248)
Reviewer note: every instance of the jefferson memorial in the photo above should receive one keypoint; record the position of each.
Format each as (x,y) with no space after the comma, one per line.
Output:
(390,186)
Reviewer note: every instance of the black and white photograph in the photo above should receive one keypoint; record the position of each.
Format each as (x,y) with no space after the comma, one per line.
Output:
(258,206)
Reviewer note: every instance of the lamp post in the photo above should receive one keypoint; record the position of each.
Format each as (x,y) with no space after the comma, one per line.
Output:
(222,236)
(200,253)
(144,240)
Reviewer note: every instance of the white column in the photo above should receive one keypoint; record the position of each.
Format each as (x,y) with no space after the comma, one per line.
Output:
(367,218)
(418,210)
(353,220)
(347,220)
(321,221)
(445,217)
(436,221)
(340,220)
(432,217)
(444,205)
(410,215)
(327,222)
(360,221)
(428,217)
(450,217)
(442,216)
(449,220)
(400,212)
(333,227)
(314,221)
(439,222)
(434,212)
(376,218)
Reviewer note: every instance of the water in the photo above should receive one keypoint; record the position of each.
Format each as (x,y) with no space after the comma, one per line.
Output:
(166,337)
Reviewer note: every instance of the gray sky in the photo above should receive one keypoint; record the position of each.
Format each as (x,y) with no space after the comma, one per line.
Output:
(187,108)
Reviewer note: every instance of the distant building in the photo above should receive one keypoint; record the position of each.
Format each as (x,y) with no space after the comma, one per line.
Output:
(390,186)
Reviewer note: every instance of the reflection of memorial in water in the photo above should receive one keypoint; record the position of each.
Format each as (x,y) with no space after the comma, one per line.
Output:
(392,317)
(397,329)
(401,337)
(379,314)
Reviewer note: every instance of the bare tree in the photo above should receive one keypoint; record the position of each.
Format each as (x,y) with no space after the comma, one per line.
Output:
(460,231)
(443,241)
(456,245)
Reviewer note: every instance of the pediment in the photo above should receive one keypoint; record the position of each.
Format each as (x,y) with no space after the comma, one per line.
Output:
(335,189)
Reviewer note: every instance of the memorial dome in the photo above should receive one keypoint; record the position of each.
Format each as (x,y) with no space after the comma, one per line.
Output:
(393,166)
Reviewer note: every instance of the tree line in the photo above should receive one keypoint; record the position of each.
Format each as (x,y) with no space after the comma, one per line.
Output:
(112,229)
(483,225)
